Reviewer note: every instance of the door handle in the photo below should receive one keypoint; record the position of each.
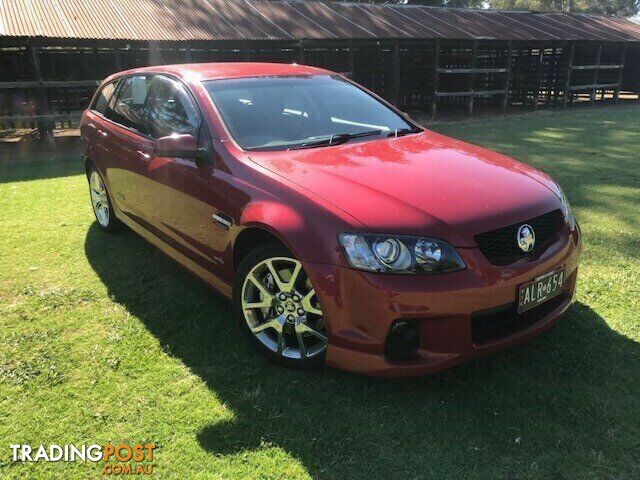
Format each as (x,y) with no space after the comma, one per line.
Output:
(102,132)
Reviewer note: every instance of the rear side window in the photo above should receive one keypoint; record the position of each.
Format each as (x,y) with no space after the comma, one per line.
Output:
(129,106)
(170,109)
(103,97)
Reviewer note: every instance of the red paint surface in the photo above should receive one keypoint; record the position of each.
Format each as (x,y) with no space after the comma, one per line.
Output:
(423,184)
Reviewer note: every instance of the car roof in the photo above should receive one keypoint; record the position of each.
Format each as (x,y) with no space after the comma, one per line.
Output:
(224,70)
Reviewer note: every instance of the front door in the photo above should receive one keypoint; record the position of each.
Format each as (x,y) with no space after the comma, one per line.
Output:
(174,191)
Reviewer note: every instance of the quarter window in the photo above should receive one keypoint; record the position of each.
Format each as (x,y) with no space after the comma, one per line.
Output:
(171,109)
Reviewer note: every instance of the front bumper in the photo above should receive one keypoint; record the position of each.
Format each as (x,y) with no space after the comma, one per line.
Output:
(450,309)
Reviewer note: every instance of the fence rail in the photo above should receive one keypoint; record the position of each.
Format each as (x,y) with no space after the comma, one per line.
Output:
(52,81)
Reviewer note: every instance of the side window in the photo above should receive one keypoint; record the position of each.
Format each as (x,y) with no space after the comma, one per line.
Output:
(171,109)
(102,99)
(128,108)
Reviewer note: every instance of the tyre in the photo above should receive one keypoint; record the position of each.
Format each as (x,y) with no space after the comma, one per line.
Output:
(101,202)
(277,307)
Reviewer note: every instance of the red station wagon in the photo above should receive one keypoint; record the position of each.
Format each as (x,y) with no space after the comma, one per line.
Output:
(343,232)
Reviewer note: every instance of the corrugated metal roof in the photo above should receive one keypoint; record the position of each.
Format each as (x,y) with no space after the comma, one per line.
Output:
(174,20)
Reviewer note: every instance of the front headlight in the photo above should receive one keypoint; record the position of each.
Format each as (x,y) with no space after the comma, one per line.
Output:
(399,254)
(566,208)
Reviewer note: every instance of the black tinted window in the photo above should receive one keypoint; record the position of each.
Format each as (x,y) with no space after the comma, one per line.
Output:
(170,109)
(128,108)
(103,97)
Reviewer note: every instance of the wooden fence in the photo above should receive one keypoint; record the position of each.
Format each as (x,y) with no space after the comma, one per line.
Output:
(47,84)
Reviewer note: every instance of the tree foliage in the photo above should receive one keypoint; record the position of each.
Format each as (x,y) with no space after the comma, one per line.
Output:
(626,8)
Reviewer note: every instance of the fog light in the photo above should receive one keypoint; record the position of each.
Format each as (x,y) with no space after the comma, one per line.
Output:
(403,339)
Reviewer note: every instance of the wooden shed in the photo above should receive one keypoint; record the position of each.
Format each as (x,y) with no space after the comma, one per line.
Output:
(53,54)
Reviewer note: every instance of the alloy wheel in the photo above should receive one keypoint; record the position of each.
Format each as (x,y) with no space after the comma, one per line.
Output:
(281,309)
(99,198)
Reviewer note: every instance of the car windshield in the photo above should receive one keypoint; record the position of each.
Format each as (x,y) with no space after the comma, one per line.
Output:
(287,112)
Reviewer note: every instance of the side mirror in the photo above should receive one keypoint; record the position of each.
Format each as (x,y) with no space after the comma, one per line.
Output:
(179,145)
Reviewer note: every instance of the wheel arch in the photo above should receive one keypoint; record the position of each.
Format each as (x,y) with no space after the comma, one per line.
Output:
(254,235)
(310,234)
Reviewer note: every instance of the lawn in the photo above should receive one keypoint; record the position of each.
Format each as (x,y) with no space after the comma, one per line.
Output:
(102,339)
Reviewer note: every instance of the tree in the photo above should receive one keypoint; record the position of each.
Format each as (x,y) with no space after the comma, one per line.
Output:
(626,8)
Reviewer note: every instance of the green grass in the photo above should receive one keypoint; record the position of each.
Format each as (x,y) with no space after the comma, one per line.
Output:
(102,339)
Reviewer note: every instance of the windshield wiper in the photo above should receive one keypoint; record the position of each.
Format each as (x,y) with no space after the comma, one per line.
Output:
(399,132)
(337,139)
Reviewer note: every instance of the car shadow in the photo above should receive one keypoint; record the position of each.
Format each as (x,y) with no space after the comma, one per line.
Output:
(554,407)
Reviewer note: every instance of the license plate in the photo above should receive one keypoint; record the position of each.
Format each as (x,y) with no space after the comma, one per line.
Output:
(540,290)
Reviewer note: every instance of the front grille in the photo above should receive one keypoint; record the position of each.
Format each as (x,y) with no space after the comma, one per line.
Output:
(500,246)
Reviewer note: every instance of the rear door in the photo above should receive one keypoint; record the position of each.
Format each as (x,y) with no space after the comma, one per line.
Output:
(126,143)
(94,127)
